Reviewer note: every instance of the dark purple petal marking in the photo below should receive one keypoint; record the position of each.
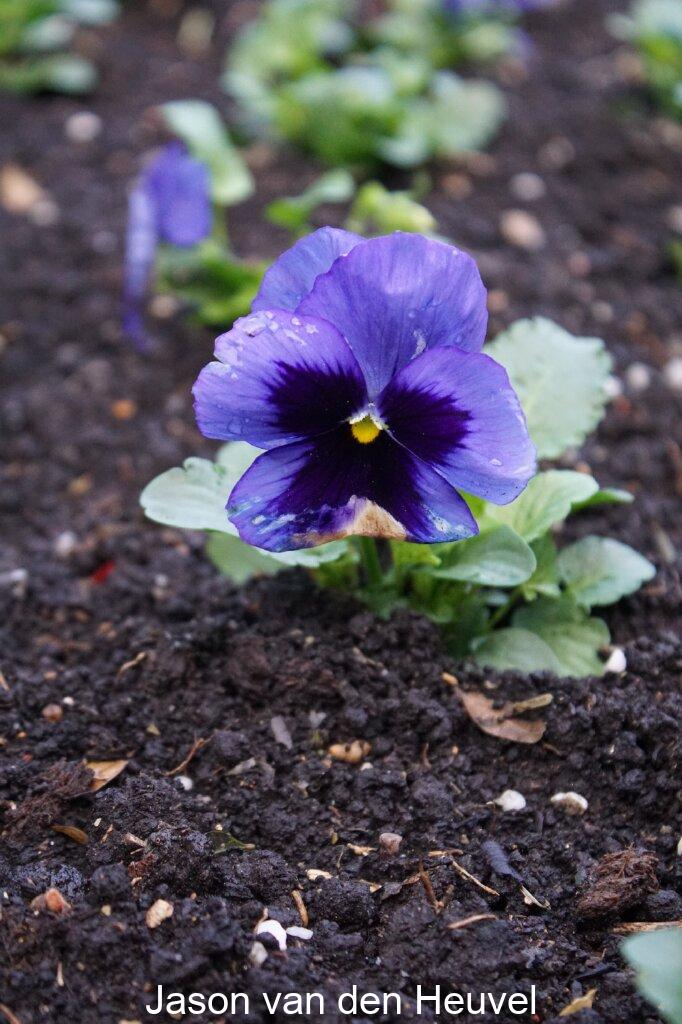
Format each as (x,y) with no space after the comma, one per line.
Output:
(170,203)
(292,276)
(305,494)
(394,297)
(279,377)
(458,412)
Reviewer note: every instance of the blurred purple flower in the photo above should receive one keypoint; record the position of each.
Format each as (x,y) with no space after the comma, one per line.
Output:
(359,372)
(462,7)
(171,202)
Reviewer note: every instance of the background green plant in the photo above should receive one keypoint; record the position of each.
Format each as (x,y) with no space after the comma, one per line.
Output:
(34,40)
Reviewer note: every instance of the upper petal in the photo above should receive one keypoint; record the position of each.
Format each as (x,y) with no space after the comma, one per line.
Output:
(304,494)
(179,186)
(140,250)
(279,376)
(458,412)
(395,296)
(291,277)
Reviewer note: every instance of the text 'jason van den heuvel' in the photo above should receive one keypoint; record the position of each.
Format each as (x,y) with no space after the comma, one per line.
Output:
(432,1001)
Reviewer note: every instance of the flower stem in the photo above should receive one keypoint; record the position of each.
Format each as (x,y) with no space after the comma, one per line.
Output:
(505,608)
(370,561)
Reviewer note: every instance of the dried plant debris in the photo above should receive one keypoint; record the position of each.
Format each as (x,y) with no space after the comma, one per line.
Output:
(500,721)
(57,787)
(618,882)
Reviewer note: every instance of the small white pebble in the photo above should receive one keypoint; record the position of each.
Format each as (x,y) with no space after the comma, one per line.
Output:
(84,126)
(65,544)
(603,311)
(527,186)
(258,954)
(297,932)
(522,229)
(674,218)
(511,800)
(44,213)
(638,377)
(672,373)
(613,387)
(16,581)
(617,661)
(69,701)
(679,847)
(275,929)
(185,782)
(390,842)
(571,802)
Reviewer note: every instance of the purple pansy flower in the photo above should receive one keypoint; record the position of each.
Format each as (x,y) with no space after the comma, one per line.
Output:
(359,372)
(171,202)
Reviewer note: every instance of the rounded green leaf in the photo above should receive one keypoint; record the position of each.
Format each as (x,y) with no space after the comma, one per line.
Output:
(657,959)
(599,570)
(574,637)
(547,500)
(559,380)
(517,649)
(499,558)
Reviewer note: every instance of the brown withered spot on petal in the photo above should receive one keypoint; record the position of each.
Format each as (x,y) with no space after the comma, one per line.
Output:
(370,521)
(499,722)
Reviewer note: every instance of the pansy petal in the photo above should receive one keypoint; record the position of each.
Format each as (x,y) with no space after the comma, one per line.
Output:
(395,296)
(304,494)
(292,276)
(180,188)
(459,413)
(140,249)
(279,377)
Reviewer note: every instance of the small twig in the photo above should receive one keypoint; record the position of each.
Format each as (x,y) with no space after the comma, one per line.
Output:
(436,904)
(301,907)
(632,927)
(466,921)
(11,1017)
(194,749)
(471,878)
(127,665)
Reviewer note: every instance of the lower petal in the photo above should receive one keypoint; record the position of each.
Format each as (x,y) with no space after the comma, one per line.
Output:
(458,412)
(304,494)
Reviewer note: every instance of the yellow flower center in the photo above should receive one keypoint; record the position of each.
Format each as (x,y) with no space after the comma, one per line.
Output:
(365,430)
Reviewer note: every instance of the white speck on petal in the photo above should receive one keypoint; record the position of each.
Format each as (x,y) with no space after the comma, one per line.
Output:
(570,802)
(511,800)
(275,929)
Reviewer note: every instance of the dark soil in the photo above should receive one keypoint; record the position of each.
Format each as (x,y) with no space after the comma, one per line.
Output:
(147,657)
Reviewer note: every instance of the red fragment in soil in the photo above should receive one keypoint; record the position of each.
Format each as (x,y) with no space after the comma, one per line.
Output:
(102,574)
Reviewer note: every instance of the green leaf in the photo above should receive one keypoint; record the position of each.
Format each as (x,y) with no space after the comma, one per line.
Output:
(194,496)
(605,496)
(232,557)
(656,957)
(545,580)
(377,210)
(499,558)
(547,500)
(191,497)
(599,570)
(559,380)
(218,286)
(294,212)
(406,554)
(517,649)
(90,12)
(574,637)
(200,126)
